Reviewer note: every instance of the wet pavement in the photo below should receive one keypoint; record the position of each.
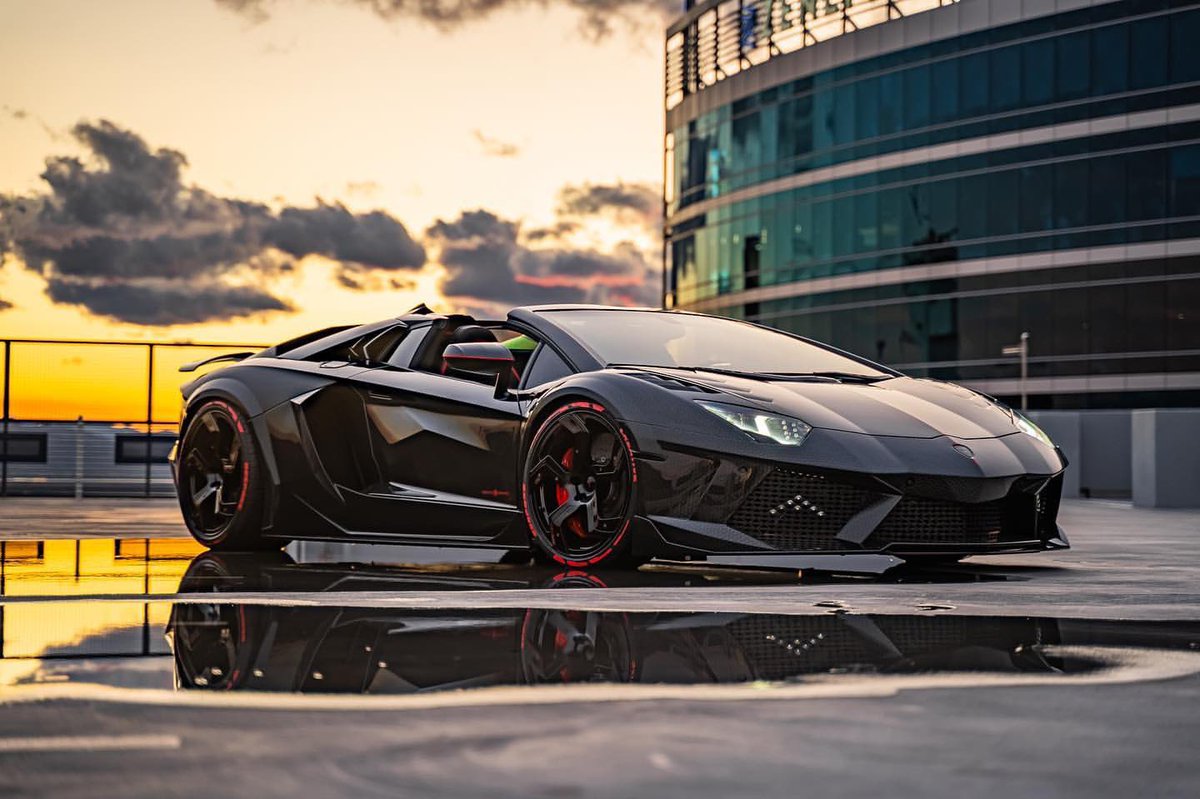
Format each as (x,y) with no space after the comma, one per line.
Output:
(143,667)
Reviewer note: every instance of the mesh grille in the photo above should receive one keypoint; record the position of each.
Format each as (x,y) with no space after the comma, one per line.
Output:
(792,510)
(818,643)
(822,643)
(918,520)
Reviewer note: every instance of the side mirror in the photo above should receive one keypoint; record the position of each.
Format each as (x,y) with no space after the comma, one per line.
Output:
(485,359)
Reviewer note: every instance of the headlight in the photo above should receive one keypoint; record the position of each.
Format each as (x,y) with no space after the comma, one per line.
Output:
(1021,422)
(1030,429)
(779,429)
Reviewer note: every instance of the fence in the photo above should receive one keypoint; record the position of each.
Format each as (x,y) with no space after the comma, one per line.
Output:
(92,418)
(716,39)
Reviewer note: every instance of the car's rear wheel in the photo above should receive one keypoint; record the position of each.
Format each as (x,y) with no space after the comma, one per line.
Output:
(219,479)
(578,488)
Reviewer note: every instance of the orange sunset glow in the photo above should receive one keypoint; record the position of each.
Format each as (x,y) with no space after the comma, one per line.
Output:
(330,166)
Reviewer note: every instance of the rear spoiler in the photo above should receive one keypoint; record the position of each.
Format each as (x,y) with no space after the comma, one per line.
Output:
(231,356)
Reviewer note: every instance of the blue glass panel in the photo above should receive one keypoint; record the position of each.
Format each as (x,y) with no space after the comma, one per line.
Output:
(1038,72)
(1072,65)
(1149,52)
(1185,41)
(1110,60)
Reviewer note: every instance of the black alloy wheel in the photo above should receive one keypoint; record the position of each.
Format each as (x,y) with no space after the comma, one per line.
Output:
(578,487)
(573,646)
(209,645)
(218,479)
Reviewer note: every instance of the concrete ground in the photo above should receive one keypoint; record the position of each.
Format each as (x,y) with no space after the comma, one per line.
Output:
(1126,734)
(1126,741)
(42,518)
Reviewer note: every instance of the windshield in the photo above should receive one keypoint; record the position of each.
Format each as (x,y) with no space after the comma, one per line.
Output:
(650,338)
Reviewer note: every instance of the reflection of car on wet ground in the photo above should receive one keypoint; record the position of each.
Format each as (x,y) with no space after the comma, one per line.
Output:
(338,649)
(350,642)
(602,435)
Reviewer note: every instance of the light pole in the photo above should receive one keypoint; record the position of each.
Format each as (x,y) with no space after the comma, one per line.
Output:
(1022,350)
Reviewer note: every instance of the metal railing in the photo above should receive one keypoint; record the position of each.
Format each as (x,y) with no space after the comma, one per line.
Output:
(92,418)
(719,38)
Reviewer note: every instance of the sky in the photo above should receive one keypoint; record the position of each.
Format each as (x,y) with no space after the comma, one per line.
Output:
(248,170)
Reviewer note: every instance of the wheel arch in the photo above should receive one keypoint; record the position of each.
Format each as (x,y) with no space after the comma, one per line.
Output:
(242,398)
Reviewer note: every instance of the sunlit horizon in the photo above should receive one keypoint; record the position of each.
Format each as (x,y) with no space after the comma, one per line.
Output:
(325,105)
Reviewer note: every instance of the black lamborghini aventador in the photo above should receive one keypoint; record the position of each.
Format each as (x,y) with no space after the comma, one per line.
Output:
(599,436)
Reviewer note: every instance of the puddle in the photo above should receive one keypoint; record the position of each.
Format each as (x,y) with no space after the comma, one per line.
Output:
(201,647)
(130,567)
(329,627)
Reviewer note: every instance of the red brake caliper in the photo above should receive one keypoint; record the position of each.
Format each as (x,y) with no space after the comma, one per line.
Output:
(561,495)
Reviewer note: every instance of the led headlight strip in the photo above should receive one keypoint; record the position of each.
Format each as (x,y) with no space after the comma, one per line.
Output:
(779,429)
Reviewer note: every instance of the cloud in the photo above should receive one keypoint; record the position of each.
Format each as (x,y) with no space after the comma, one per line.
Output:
(163,304)
(373,239)
(489,262)
(363,188)
(253,10)
(638,203)
(122,235)
(559,230)
(596,16)
(495,148)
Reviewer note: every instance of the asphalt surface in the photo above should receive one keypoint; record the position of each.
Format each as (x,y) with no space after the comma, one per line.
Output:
(1123,741)
(77,721)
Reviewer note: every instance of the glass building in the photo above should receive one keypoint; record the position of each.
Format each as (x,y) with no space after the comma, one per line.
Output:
(922,181)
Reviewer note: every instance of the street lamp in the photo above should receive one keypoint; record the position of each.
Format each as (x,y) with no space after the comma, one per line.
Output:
(1022,350)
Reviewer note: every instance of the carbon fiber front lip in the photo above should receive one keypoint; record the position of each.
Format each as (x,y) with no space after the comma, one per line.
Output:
(653,536)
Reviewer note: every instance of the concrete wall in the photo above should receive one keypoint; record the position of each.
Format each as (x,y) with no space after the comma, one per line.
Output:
(1065,429)
(1107,449)
(1097,446)
(1166,458)
(1151,456)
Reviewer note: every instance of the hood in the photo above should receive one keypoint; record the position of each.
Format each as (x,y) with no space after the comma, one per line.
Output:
(900,406)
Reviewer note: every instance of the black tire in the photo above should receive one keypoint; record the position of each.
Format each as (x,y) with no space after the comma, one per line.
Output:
(578,488)
(213,644)
(220,480)
(577,646)
(219,572)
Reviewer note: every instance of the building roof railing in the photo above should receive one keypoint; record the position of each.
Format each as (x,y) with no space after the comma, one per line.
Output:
(716,39)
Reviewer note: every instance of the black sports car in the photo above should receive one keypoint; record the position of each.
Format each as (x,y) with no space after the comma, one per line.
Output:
(600,436)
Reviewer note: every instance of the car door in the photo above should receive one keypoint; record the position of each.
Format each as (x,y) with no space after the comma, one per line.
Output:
(446,448)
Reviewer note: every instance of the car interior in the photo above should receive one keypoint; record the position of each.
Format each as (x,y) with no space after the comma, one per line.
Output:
(465,330)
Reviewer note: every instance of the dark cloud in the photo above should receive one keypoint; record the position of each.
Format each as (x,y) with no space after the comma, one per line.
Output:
(496,148)
(488,261)
(116,226)
(163,303)
(560,229)
(597,16)
(475,227)
(628,202)
(373,239)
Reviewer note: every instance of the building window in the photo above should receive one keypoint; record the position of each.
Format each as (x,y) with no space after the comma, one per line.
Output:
(131,448)
(25,448)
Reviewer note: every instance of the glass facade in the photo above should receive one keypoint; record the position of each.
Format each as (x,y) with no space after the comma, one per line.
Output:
(926,206)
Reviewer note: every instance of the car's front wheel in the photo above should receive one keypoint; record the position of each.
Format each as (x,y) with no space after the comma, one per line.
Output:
(578,487)
(219,479)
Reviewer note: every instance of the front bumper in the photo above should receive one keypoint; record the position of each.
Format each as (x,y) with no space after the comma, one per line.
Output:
(696,503)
